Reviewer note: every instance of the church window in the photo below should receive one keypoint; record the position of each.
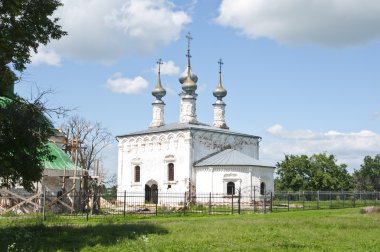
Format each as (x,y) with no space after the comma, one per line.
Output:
(137,173)
(262,188)
(230,188)
(171,172)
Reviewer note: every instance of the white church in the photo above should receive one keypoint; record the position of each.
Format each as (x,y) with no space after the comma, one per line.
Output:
(189,156)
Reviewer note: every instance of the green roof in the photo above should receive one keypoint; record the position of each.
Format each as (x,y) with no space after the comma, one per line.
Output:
(62,160)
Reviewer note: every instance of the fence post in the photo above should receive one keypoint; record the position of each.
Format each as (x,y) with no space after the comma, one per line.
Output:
(157,207)
(232,204)
(184,204)
(265,202)
(209,204)
(43,206)
(303,200)
(239,195)
(288,201)
(330,199)
(254,199)
(125,201)
(271,202)
(343,197)
(354,200)
(317,199)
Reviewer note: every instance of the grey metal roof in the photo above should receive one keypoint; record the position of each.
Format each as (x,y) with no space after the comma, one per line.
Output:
(230,157)
(184,126)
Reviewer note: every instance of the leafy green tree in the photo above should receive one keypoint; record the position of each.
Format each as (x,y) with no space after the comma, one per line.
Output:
(327,175)
(24,25)
(23,135)
(24,130)
(318,172)
(368,177)
(293,173)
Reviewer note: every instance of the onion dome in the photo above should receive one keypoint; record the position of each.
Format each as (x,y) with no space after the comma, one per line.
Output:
(183,77)
(189,85)
(220,92)
(159,91)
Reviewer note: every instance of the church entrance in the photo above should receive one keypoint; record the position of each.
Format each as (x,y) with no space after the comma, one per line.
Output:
(151,193)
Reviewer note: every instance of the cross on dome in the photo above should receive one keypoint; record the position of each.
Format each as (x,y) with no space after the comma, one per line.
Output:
(220,62)
(159,63)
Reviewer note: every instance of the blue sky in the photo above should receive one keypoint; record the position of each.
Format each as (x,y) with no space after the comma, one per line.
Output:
(301,74)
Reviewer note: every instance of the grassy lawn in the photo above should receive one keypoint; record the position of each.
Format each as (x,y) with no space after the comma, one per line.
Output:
(323,230)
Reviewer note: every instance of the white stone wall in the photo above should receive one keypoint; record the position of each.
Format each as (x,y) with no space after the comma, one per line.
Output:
(215,179)
(153,153)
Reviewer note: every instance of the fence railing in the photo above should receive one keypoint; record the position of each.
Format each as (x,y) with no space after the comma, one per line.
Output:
(307,200)
(91,205)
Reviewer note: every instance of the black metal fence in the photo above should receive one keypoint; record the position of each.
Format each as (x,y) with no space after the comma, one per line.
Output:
(125,204)
(307,200)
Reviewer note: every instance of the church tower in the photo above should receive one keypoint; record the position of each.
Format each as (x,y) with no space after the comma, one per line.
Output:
(219,105)
(158,104)
(188,95)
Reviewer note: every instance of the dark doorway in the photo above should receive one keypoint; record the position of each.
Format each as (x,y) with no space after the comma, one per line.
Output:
(262,188)
(151,194)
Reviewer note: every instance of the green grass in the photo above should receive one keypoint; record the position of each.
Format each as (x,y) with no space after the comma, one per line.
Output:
(323,230)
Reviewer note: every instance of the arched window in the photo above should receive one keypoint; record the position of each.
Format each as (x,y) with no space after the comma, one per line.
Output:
(230,188)
(171,172)
(262,188)
(137,173)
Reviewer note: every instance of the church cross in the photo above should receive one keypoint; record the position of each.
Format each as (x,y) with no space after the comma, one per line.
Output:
(220,62)
(189,38)
(159,63)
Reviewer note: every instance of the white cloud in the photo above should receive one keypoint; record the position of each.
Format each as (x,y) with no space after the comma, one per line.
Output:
(45,56)
(105,31)
(168,68)
(332,23)
(119,84)
(349,148)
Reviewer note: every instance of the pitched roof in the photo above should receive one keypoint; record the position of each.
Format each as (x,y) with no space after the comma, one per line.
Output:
(230,157)
(184,126)
(62,160)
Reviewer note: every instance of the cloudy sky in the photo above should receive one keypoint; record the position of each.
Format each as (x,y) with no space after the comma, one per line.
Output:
(302,74)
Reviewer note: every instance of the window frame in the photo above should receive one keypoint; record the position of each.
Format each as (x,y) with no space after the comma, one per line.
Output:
(171,173)
(137,175)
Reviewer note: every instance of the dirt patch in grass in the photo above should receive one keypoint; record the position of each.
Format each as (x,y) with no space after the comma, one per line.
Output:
(370,210)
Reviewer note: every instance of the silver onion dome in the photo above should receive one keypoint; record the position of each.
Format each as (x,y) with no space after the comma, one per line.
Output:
(159,91)
(220,92)
(183,77)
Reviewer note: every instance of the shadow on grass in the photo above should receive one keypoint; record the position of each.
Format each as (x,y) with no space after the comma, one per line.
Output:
(71,238)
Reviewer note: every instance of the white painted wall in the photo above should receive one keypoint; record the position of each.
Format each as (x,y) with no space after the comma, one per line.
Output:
(153,153)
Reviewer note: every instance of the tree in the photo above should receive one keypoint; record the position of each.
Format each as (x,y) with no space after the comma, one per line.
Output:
(23,150)
(318,172)
(293,173)
(89,138)
(327,175)
(368,177)
(24,25)
(24,129)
